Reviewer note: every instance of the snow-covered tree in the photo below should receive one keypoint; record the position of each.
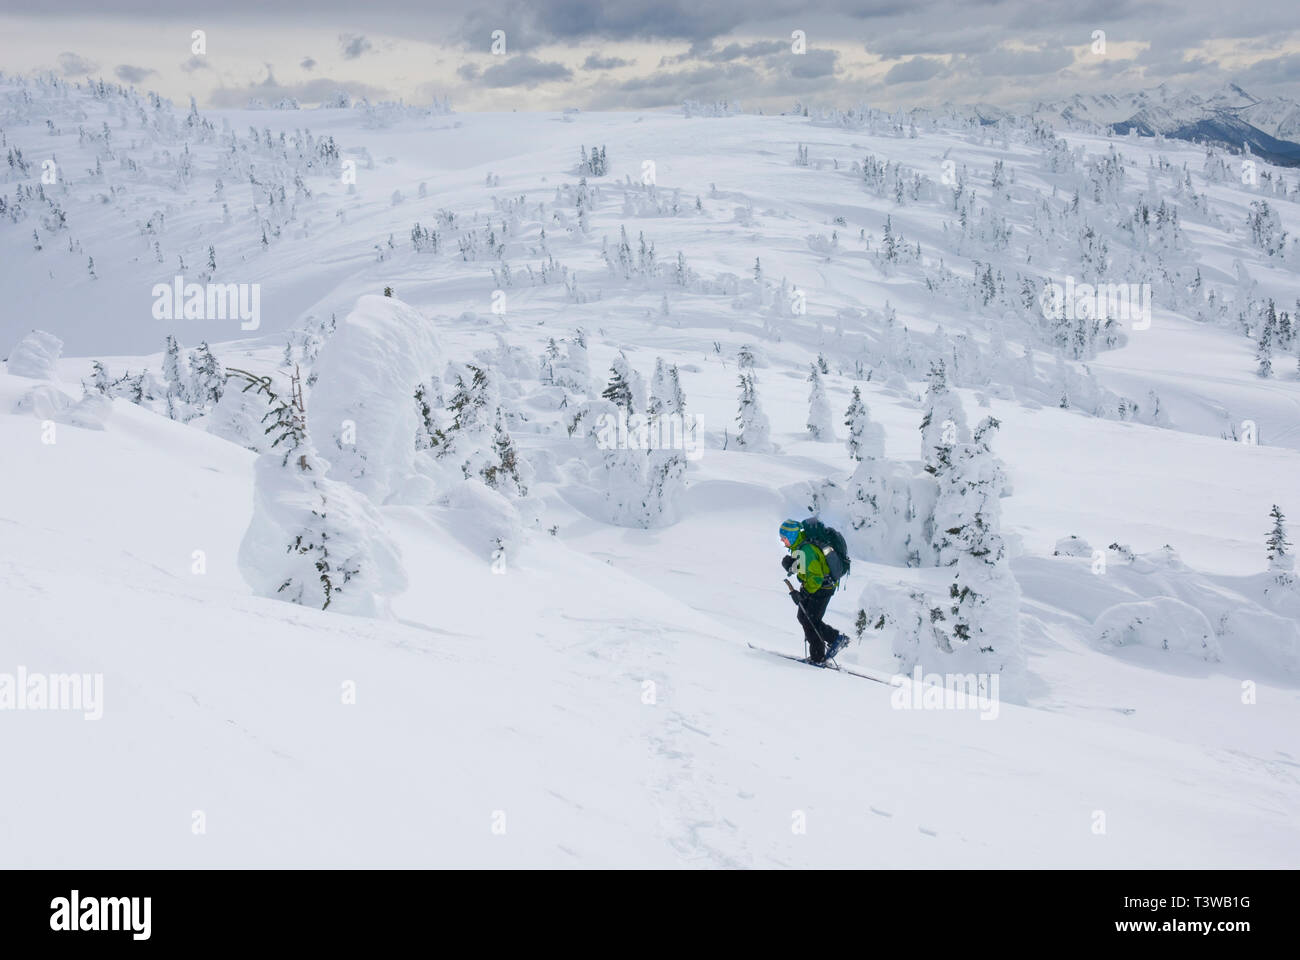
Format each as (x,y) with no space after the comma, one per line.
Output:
(961,512)
(99,379)
(661,393)
(175,379)
(820,420)
(237,416)
(888,507)
(1281,562)
(595,164)
(1267,333)
(312,541)
(619,389)
(546,362)
(943,423)
(637,384)
(141,388)
(665,479)
(366,375)
(428,427)
(755,431)
(286,426)
(866,439)
(1266,228)
(984,599)
(207,378)
(677,396)
(573,371)
(472,406)
(639,482)
(666,470)
(505,471)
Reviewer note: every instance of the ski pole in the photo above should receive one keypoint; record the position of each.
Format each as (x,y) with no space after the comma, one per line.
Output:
(799,603)
(789,587)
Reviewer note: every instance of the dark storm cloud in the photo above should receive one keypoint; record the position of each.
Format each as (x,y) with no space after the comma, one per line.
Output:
(914,70)
(773,55)
(1162,61)
(525,71)
(1091,14)
(195,63)
(1276,70)
(876,9)
(737,51)
(528,23)
(734,82)
(813,65)
(353,45)
(1019,63)
(132,74)
(1199,66)
(913,41)
(308,63)
(73,65)
(995,49)
(1263,43)
(597,62)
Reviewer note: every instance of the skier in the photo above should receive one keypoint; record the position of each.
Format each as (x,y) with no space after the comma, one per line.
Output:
(817,585)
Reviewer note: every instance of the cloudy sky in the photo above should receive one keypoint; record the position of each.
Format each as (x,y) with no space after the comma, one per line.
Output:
(638,54)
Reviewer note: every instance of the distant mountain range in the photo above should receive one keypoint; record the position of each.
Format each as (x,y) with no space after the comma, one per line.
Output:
(1230,117)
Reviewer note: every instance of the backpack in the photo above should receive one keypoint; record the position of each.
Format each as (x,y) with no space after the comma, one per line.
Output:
(831,543)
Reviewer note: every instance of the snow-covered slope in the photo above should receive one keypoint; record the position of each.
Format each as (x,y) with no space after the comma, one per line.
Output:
(557,671)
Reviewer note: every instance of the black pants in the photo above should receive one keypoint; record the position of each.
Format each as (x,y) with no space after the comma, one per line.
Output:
(815,630)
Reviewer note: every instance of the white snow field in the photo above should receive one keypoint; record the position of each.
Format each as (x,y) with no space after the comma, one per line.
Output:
(536,647)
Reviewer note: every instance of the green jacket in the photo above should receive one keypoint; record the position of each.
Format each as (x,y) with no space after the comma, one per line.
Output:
(810,565)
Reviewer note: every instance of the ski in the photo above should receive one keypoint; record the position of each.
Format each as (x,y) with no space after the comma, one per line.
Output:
(828,665)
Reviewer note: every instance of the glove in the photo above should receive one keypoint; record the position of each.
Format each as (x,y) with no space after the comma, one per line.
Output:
(788,562)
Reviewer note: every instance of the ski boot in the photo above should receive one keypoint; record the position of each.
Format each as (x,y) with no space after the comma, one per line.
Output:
(838,644)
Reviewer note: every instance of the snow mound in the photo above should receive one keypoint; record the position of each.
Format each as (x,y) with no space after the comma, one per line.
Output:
(1072,546)
(1263,640)
(35,355)
(1162,623)
(91,412)
(916,617)
(362,410)
(1282,595)
(47,402)
(486,522)
(363,562)
(44,402)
